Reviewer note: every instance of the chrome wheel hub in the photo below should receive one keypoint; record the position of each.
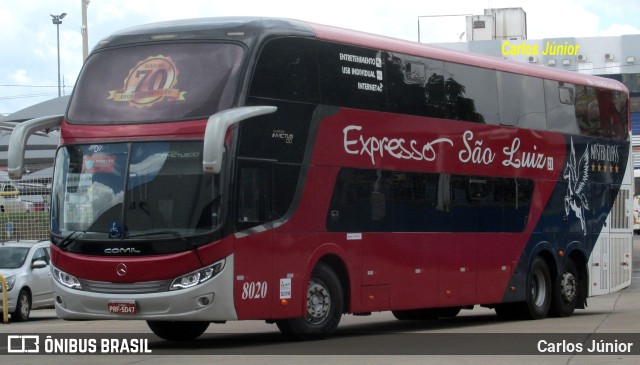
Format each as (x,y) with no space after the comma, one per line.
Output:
(318,302)
(568,287)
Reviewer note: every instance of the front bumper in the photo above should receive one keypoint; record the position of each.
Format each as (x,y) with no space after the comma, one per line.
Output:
(11,301)
(209,301)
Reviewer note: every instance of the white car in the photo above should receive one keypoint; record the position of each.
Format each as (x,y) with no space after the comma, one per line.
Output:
(10,200)
(27,271)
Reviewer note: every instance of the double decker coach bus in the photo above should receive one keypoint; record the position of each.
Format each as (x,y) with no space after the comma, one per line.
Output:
(267,169)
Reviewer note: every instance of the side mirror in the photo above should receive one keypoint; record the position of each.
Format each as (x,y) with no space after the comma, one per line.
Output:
(39,264)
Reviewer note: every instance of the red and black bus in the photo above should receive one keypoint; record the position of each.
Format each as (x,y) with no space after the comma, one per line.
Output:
(272,169)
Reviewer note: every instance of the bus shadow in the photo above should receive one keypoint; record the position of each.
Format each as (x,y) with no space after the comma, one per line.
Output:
(384,337)
(349,339)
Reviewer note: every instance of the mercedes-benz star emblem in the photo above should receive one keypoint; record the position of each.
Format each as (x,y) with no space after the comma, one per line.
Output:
(121,269)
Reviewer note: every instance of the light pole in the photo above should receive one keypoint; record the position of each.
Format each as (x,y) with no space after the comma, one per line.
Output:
(57,20)
(85,30)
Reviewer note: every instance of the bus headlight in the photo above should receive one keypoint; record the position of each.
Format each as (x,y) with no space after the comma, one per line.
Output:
(197,277)
(66,280)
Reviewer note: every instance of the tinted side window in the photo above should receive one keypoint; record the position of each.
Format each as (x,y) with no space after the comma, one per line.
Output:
(357,202)
(416,86)
(265,191)
(612,110)
(287,69)
(471,93)
(587,111)
(521,101)
(255,194)
(397,201)
(516,198)
(352,76)
(420,202)
(560,99)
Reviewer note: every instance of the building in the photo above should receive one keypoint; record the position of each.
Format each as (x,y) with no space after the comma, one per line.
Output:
(504,24)
(42,147)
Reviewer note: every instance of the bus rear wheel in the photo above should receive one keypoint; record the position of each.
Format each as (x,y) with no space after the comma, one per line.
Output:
(539,296)
(178,330)
(566,291)
(323,311)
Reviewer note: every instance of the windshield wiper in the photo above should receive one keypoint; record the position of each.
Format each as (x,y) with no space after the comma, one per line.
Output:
(68,239)
(175,234)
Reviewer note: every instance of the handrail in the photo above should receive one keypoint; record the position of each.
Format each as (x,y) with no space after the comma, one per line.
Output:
(5,301)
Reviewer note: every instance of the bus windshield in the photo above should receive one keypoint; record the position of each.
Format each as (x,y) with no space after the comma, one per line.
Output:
(156,83)
(129,190)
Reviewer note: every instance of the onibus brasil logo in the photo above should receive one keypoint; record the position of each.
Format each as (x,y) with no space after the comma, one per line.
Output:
(149,82)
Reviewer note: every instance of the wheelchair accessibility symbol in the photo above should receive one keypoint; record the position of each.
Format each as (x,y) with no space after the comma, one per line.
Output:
(115,231)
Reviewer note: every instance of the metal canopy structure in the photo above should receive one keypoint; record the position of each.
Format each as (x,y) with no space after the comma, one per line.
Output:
(41,148)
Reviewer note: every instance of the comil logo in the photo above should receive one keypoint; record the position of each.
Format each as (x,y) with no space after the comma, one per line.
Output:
(23,344)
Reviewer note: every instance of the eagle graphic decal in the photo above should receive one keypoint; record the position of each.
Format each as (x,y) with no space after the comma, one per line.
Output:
(576,174)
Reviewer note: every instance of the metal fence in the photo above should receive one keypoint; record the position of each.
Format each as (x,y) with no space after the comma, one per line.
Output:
(24,209)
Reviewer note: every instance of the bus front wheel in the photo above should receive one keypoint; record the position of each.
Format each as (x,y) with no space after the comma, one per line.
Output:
(324,303)
(177,330)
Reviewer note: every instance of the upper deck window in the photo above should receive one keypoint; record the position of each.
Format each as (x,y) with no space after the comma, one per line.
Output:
(156,83)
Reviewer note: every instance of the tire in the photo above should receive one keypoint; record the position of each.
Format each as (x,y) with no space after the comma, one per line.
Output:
(325,302)
(178,331)
(566,291)
(539,296)
(23,307)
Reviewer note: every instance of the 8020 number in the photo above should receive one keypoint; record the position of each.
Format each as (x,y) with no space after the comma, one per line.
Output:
(254,290)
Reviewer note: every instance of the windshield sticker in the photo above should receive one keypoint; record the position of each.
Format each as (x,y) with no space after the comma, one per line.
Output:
(115,230)
(360,68)
(149,82)
(99,163)
(179,155)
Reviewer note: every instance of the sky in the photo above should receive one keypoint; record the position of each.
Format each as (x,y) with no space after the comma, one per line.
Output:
(28,61)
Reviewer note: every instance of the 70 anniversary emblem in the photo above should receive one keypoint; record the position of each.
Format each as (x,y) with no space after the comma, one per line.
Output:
(149,82)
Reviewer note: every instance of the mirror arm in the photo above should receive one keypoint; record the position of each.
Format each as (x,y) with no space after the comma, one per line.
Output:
(216,130)
(18,142)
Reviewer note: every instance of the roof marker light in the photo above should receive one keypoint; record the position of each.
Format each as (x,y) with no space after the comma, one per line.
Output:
(162,37)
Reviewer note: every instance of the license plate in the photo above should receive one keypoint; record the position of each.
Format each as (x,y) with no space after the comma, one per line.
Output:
(123,307)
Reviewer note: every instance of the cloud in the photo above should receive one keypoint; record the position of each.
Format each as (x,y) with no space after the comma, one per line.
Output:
(20,77)
(30,37)
(619,29)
